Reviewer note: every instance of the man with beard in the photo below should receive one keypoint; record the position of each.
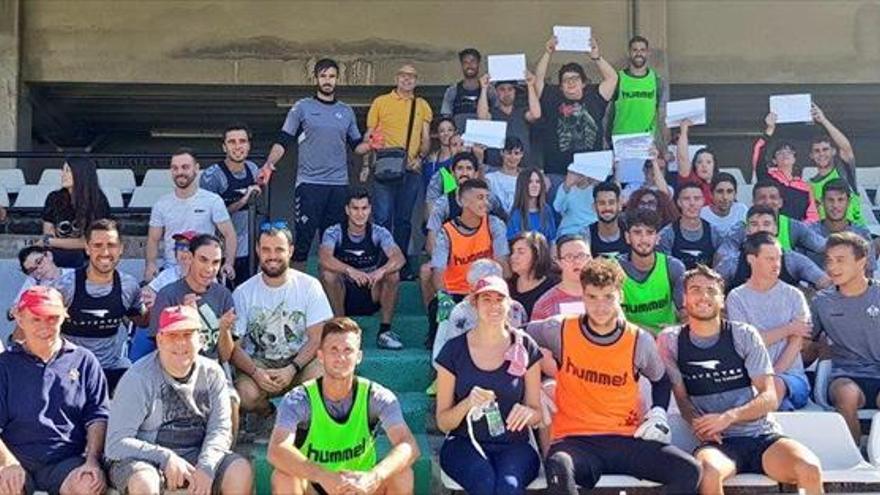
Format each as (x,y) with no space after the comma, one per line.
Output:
(836,206)
(235,180)
(639,99)
(99,298)
(359,267)
(725,212)
(460,99)
(339,414)
(652,290)
(722,378)
(571,115)
(506,109)
(323,129)
(187,208)
(690,238)
(279,315)
(606,234)
(833,155)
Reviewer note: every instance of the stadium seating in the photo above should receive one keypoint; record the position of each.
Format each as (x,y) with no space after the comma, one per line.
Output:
(146,196)
(820,390)
(33,196)
(744,193)
(12,179)
(51,177)
(156,177)
(114,196)
(4,197)
(123,179)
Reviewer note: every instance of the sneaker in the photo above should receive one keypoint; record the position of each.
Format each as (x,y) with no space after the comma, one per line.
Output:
(389,340)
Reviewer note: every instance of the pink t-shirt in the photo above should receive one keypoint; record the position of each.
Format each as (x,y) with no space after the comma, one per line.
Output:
(556,302)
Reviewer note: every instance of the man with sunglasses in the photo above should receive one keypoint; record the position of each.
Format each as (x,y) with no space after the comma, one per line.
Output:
(280,312)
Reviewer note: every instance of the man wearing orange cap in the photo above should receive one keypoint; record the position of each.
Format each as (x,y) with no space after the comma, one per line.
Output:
(53,405)
(171,420)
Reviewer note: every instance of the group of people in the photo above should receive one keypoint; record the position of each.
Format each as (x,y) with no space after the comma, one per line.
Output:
(549,296)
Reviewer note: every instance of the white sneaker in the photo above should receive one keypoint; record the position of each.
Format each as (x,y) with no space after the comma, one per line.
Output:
(389,340)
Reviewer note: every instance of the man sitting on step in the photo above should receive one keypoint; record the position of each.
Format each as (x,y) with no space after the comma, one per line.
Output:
(324,438)
(360,266)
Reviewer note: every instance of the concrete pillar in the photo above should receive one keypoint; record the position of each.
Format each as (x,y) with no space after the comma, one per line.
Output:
(648,19)
(11,135)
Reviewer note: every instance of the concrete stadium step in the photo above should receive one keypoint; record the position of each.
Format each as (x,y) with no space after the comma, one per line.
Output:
(412,329)
(406,370)
(422,468)
(418,410)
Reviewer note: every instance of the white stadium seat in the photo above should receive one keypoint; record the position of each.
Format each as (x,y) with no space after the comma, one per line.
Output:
(157,177)
(33,196)
(808,173)
(146,196)
(121,178)
(12,179)
(51,177)
(736,173)
(868,177)
(114,196)
(744,194)
(4,197)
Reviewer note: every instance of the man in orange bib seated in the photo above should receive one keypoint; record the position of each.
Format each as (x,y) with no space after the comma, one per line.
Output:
(599,427)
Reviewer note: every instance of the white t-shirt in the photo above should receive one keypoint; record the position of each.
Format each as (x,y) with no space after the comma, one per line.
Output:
(31,282)
(503,186)
(166,277)
(272,321)
(737,215)
(201,212)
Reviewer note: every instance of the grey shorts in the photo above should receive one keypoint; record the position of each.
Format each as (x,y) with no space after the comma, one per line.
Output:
(50,477)
(121,471)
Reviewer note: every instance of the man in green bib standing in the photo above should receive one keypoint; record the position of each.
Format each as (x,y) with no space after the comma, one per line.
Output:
(652,291)
(325,434)
(639,100)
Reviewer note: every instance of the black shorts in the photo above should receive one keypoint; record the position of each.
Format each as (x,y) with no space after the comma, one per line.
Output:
(869,386)
(317,206)
(50,477)
(359,300)
(745,452)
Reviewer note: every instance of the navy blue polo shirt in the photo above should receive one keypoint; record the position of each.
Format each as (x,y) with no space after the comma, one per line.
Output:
(46,408)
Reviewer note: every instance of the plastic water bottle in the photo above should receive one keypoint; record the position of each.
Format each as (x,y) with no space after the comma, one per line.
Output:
(493,418)
(445,304)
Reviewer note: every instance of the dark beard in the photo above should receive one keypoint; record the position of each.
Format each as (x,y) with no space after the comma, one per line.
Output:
(325,93)
(273,273)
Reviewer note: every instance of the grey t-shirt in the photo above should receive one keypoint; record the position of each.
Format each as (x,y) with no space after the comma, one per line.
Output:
(440,256)
(748,345)
(154,415)
(675,269)
(381,237)
(201,212)
(109,351)
(548,334)
(667,237)
(821,229)
(851,324)
(324,132)
(517,126)
(213,179)
(212,304)
(296,409)
(774,308)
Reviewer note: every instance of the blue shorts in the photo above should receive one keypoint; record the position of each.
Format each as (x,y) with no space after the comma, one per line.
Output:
(797,391)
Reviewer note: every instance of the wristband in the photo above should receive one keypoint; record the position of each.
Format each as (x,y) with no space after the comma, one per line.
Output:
(296,367)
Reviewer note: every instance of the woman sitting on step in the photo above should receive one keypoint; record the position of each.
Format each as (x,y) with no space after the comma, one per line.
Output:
(488,395)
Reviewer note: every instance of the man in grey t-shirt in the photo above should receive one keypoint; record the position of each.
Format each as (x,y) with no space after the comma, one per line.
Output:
(170,426)
(235,180)
(848,314)
(324,129)
(779,311)
(722,379)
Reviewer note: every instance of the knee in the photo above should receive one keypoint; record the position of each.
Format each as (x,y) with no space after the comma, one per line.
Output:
(329,277)
(284,484)
(807,472)
(79,486)
(846,396)
(238,477)
(249,393)
(402,483)
(710,473)
(392,279)
(144,481)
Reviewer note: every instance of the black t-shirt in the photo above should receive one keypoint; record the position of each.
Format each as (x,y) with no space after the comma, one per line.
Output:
(570,126)
(59,211)
(530,297)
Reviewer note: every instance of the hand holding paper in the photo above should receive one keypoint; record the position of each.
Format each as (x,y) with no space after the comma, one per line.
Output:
(596,165)
(573,38)
(693,110)
(507,67)
(490,133)
(792,108)
(633,146)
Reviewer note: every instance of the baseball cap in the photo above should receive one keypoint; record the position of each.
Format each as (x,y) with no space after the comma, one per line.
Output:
(42,301)
(491,283)
(182,318)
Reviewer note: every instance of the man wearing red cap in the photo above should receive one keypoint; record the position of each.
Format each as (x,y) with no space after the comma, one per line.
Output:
(171,420)
(53,405)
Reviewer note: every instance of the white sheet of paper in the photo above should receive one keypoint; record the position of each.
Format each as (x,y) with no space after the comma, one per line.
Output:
(597,165)
(572,308)
(573,38)
(631,170)
(490,133)
(672,165)
(693,109)
(792,108)
(633,146)
(507,67)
